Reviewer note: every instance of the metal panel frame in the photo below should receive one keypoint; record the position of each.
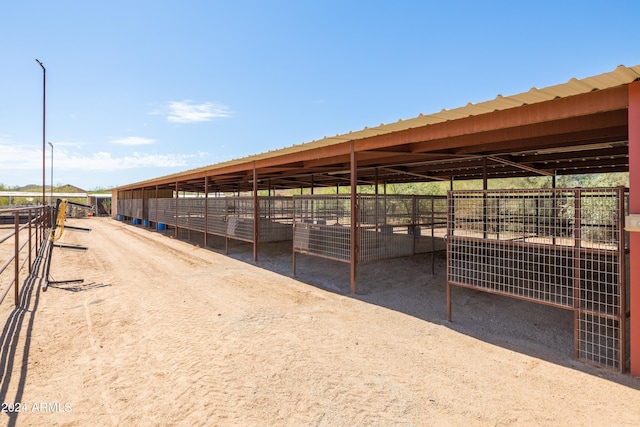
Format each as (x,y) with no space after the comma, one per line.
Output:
(388,226)
(561,247)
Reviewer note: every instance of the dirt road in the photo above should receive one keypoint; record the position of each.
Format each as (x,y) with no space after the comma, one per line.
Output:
(163,332)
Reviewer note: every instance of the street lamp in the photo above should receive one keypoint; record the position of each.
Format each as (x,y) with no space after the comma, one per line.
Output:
(44,120)
(51,188)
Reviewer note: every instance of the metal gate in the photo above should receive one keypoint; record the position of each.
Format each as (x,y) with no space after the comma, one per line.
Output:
(561,247)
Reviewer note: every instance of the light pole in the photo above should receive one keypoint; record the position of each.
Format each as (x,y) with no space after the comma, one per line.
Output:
(44,120)
(51,188)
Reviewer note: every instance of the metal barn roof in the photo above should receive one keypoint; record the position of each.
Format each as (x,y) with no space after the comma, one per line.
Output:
(422,150)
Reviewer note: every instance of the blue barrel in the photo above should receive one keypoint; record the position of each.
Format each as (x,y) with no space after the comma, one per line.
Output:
(161,226)
(136,221)
(119,217)
(386,229)
(145,222)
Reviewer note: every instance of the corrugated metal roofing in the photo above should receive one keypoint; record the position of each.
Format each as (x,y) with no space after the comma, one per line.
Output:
(620,76)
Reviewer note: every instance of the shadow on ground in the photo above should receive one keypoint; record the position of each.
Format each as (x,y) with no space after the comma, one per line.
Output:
(407,285)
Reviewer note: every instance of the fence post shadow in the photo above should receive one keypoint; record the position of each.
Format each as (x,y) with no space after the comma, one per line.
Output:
(24,312)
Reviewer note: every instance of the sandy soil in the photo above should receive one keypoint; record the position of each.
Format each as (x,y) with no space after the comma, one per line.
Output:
(164,332)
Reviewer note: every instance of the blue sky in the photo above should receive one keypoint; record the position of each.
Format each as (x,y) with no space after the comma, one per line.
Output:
(138,89)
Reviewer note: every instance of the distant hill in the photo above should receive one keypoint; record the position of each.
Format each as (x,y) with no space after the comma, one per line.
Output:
(68,188)
(30,187)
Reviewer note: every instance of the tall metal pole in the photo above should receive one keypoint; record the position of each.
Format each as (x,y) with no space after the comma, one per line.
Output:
(51,188)
(44,120)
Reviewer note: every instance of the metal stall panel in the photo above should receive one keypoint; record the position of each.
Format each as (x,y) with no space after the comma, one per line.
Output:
(561,247)
(217,216)
(165,211)
(321,226)
(387,226)
(191,213)
(240,221)
(390,226)
(276,219)
(136,209)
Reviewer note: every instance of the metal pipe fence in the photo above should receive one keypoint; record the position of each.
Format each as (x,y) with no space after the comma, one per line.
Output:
(561,247)
(22,232)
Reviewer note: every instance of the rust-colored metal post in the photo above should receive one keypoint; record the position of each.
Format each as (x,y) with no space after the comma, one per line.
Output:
(145,207)
(485,186)
(29,219)
(634,240)
(16,220)
(577,253)
(376,209)
(206,211)
(256,214)
(176,210)
(354,218)
(622,284)
(449,235)
(156,214)
(293,246)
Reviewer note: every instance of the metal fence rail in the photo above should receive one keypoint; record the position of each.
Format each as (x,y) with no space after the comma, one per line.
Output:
(561,247)
(21,237)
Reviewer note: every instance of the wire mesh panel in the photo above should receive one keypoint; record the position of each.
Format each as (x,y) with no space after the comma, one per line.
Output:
(191,213)
(231,217)
(163,211)
(562,247)
(217,216)
(276,219)
(388,226)
(152,210)
(321,226)
(125,208)
(240,218)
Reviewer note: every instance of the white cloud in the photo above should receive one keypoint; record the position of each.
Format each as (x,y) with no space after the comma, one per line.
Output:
(188,112)
(132,140)
(105,161)
(16,158)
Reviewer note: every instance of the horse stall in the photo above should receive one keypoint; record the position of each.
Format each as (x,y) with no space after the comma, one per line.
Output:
(232,218)
(387,227)
(561,247)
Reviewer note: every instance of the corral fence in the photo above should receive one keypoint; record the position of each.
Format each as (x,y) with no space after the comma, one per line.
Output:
(561,247)
(22,232)
(388,226)
(228,217)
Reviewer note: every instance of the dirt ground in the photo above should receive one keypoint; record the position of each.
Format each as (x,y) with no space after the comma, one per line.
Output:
(165,332)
